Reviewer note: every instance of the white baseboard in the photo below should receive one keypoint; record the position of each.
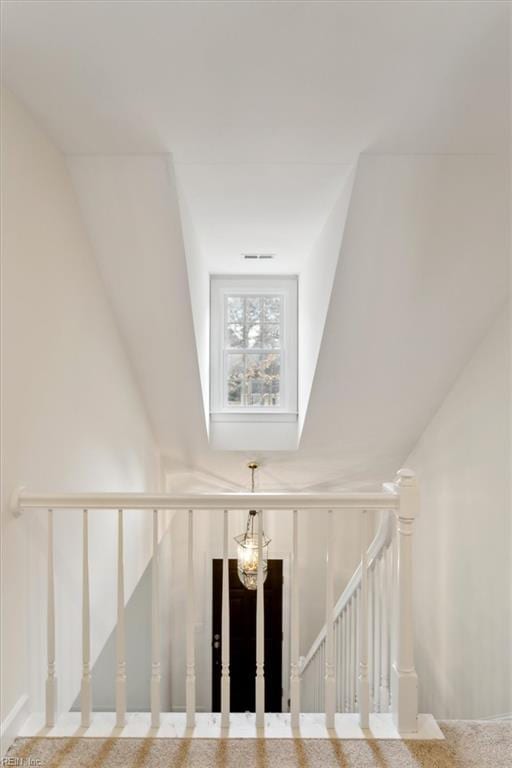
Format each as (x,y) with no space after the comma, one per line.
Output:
(11,725)
(498,718)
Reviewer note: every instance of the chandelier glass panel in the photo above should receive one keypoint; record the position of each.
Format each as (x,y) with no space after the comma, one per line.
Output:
(248,555)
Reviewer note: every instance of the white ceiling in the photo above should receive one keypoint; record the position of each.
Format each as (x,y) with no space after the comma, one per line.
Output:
(264,106)
(259,208)
(262,81)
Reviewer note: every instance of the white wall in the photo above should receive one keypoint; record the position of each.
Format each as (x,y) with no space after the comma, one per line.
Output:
(315,287)
(463,541)
(72,415)
(199,287)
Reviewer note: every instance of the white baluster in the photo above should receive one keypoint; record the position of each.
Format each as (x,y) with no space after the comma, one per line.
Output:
(337,644)
(355,601)
(318,676)
(393,598)
(51,679)
(315,682)
(347,646)
(364,686)
(346,664)
(330,680)
(322,679)
(391,602)
(342,661)
(404,681)
(155,628)
(384,649)
(86,693)
(357,607)
(371,633)
(191,664)
(377,634)
(120,631)
(351,671)
(225,681)
(354,651)
(295,672)
(260,632)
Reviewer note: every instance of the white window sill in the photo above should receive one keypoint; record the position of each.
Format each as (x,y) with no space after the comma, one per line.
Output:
(253,416)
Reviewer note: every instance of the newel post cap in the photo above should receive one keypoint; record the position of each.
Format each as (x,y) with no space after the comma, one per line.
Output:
(14,501)
(409,493)
(406,476)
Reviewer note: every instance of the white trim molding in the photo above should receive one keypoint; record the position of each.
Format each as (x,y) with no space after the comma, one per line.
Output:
(498,718)
(284,287)
(13,723)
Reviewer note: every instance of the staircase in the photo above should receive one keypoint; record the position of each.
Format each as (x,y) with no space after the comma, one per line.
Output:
(374,598)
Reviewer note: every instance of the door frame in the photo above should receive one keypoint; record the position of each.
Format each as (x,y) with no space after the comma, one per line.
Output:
(285,648)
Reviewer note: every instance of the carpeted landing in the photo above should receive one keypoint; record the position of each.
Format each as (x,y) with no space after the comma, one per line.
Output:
(469,744)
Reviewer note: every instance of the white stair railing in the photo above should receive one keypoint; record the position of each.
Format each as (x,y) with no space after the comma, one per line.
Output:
(363,652)
(373,624)
(357,626)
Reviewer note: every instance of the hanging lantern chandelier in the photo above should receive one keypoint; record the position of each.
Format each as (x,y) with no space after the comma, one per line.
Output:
(248,552)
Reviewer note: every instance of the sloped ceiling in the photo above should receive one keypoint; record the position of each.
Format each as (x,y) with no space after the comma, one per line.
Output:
(422,271)
(131,210)
(287,96)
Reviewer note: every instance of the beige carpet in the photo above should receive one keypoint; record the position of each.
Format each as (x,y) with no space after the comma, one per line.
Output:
(471,744)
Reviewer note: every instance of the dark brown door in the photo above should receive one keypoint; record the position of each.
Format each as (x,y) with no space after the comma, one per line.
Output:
(242,638)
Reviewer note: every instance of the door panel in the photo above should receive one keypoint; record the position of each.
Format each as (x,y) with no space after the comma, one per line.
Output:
(242,634)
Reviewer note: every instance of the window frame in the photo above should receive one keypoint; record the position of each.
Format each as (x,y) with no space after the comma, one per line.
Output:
(222,286)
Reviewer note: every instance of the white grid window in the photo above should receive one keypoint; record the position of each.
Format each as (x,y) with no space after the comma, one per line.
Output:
(254,340)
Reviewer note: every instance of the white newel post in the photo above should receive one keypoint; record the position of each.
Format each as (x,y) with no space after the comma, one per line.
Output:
(330,680)
(155,628)
(363,682)
(404,680)
(260,631)
(295,668)
(225,681)
(85,691)
(120,630)
(51,680)
(191,662)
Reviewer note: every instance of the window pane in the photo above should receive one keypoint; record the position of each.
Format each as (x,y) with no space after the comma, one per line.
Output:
(271,336)
(263,376)
(253,377)
(253,309)
(253,336)
(235,309)
(235,335)
(272,309)
(235,374)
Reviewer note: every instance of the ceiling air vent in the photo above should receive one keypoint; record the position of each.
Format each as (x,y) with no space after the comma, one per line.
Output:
(255,256)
